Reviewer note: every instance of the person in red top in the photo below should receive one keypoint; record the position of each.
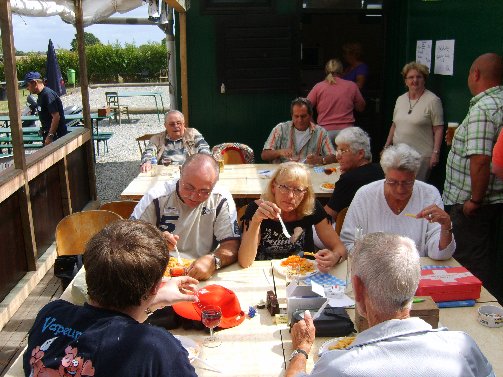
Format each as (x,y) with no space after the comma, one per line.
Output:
(335,99)
(497,160)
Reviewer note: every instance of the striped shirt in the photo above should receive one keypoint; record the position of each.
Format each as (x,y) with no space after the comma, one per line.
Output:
(283,137)
(475,136)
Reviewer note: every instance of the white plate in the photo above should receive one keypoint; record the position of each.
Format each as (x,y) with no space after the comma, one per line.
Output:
(190,345)
(326,189)
(328,343)
(276,264)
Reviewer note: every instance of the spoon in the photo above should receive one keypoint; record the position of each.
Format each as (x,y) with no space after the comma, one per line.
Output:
(283,226)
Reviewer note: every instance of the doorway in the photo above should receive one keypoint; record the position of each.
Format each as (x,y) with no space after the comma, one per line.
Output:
(325,27)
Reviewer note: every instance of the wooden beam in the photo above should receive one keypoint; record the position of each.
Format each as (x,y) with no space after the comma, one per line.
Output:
(183,66)
(179,5)
(84,89)
(30,244)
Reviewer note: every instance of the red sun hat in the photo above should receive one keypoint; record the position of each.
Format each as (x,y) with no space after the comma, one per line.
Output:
(214,294)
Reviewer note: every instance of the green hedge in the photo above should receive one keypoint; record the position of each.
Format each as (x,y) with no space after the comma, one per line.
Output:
(105,63)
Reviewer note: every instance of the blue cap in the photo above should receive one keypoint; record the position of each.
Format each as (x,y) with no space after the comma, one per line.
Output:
(31,76)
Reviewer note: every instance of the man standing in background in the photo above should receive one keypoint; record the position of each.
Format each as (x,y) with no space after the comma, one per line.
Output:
(472,195)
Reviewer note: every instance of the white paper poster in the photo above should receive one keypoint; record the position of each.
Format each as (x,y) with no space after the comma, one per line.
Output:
(444,57)
(423,52)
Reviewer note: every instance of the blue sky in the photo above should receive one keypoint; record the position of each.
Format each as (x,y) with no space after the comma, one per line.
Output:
(33,33)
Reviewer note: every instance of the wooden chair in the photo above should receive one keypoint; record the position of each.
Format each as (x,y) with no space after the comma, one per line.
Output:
(340,220)
(144,139)
(163,75)
(124,208)
(234,153)
(118,109)
(73,231)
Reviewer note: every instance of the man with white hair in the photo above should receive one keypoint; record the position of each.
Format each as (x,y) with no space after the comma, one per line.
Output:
(173,145)
(395,343)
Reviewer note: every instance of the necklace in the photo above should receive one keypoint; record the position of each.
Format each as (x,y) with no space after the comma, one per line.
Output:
(411,107)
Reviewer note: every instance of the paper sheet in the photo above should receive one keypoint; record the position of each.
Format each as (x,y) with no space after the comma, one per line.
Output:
(423,52)
(444,57)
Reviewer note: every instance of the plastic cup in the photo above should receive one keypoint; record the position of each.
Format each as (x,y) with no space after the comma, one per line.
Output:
(451,129)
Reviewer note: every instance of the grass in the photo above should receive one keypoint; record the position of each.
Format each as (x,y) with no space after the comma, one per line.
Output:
(22,101)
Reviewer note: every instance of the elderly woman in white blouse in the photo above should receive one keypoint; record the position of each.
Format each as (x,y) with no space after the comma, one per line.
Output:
(402,205)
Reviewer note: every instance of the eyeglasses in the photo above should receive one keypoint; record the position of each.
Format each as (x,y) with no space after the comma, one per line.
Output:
(405,184)
(297,192)
(418,77)
(191,190)
(177,123)
(342,151)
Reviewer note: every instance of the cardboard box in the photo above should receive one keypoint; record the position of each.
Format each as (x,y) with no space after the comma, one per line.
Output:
(426,310)
(104,111)
(449,284)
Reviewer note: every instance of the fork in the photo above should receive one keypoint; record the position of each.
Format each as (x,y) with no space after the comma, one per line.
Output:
(283,226)
(178,258)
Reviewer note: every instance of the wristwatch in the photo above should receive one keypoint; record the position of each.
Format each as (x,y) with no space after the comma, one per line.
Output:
(218,262)
(296,352)
(51,136)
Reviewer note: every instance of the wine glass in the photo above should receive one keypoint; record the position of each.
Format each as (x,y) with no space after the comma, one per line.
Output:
(211,316)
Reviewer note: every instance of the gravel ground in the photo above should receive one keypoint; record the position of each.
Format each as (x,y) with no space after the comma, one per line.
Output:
(116,168)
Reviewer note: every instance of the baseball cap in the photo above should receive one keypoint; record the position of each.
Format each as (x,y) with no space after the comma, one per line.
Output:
(31,76)
(214,294)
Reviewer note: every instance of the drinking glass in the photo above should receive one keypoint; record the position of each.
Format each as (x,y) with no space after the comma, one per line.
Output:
(349,285)
(211,316)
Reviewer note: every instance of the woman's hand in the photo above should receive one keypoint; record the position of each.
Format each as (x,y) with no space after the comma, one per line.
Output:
(435,214)
(433,160)
(326,259)
(266,210)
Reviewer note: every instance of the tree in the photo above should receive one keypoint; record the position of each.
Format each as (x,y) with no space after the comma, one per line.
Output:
(89,40)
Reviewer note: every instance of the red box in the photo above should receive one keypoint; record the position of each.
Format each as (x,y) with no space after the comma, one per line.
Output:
(449,284)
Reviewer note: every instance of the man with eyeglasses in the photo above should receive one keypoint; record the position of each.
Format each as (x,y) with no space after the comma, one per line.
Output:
(173,145)
(196,215)
(299,139)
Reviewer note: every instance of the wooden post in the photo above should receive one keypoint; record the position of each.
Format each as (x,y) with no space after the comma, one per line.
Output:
(84,89)
(182,17)
(17,133)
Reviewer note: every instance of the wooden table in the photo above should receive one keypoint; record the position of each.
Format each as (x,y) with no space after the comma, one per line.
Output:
(243,181)
(144,94)
(489,340)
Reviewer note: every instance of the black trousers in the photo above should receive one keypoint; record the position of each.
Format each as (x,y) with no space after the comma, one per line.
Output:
(479,244)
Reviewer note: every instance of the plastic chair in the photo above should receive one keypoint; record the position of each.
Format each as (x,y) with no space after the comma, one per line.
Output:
(144,139)
(113,102)
(341,215)
(234,153)
(73,231)
(124,208)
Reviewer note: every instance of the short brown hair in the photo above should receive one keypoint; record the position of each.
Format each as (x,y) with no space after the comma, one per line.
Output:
(123,263)
(294,170)
(421,68)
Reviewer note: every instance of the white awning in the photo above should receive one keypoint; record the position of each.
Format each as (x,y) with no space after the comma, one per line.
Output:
(94,10)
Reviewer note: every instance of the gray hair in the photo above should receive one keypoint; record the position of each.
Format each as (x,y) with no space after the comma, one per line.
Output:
(357,139)
(389,267)
(174,112)
(400,157)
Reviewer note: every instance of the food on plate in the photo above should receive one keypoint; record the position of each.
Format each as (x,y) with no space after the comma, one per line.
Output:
(328,186)
(342,343)
(173,264)
(306,266)
(309,253)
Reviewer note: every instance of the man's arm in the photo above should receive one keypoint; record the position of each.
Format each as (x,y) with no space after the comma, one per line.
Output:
(302,338)
(53,128)
(273,154)
(204,267)
(479,174)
